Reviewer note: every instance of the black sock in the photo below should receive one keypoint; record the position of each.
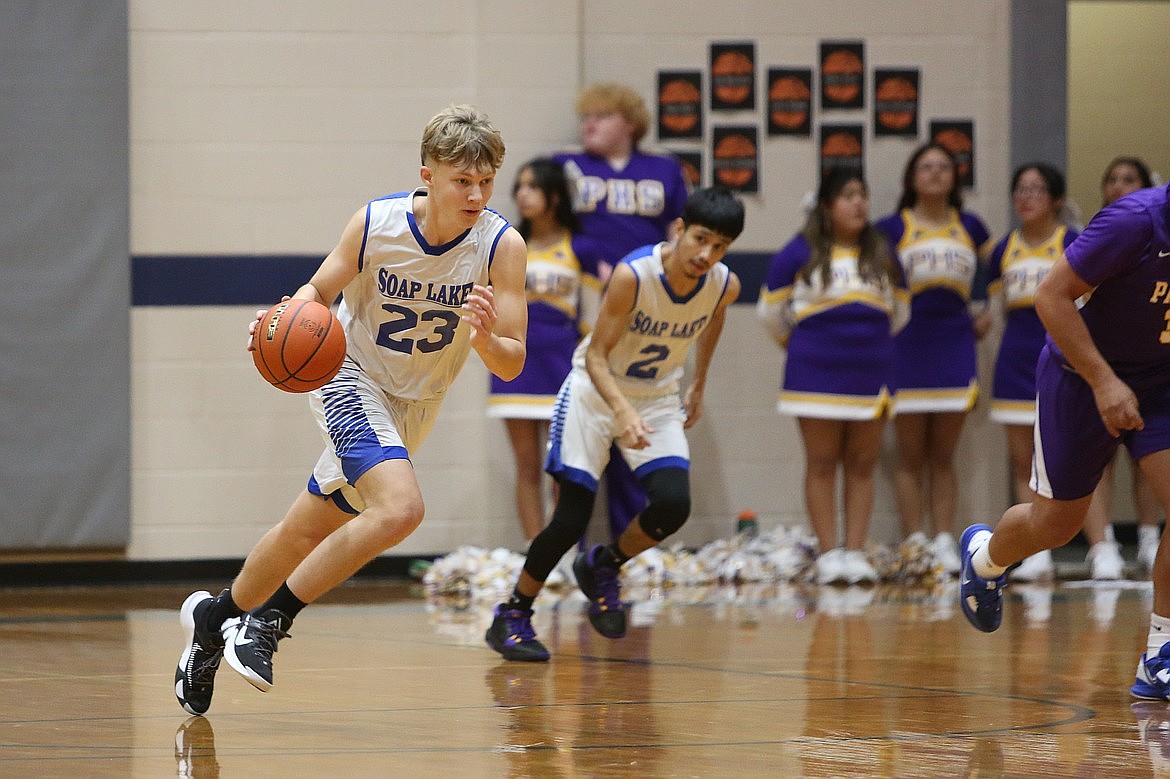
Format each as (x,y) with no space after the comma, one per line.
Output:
(520,601)
(611,556)
(285,602)
(219,610)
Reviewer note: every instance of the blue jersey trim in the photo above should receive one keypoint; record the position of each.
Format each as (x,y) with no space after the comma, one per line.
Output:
(433,251)
(682,298)
(361,258)
(366,232)
(496,242)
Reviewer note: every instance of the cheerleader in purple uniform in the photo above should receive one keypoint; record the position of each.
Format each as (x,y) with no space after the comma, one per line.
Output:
(624,198)
(563,291)
(833,297)
(1018,264)
(940,247)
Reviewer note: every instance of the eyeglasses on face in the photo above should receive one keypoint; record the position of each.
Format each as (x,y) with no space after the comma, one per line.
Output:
(1030,191)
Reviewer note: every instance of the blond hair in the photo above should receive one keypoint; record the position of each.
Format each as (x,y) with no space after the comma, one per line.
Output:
(608,96)
(463,136)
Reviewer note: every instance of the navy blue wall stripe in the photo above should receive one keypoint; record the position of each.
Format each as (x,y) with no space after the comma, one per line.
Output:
(246,280)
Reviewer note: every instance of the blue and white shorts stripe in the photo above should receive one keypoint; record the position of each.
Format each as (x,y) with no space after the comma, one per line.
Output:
(363,426)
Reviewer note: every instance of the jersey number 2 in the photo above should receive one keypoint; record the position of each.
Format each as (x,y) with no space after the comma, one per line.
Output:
(646,369)
(446,322)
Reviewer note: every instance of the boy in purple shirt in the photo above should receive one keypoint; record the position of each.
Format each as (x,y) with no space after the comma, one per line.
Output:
(1103,379)
(624,198)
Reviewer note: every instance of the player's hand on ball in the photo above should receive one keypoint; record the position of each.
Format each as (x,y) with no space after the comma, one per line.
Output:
(299,345)
(260,312)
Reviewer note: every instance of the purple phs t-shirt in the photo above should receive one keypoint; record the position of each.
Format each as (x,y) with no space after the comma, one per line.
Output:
(623,210)
(1125,254)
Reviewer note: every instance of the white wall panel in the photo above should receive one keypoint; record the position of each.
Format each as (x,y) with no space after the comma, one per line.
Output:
(258,128)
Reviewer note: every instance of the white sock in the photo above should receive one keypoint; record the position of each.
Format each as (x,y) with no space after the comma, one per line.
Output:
(1109,536)
(1159,634)
(981,561)
(1148,534)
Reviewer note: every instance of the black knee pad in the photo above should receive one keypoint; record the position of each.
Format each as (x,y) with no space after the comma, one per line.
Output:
(669,491)
(569,522)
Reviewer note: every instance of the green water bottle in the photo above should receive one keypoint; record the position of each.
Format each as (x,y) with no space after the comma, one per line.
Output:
(748,523)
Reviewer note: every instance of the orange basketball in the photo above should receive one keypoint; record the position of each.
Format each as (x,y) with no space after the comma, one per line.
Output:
(299,345)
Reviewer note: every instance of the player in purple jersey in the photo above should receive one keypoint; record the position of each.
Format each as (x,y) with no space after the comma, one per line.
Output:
(1122,176)
(940,247)
(1103,380)
(624,198)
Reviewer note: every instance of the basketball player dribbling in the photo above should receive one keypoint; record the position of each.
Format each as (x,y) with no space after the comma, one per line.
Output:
(425,277)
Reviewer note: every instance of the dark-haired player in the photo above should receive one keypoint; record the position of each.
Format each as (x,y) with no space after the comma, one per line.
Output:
(624,389)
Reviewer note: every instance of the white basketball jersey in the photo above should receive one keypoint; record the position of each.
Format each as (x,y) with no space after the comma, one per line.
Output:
(401,312)
(649,357)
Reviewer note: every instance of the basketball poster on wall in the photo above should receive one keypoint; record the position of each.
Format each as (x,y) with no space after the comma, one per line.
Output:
(735,158)
(733,76)
(680,104)
(692,166)
(842,74)
(895,102)
(958,137)
(842,146)
(790,101)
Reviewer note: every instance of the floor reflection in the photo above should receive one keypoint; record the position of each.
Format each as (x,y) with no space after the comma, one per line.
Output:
(769,679)
(195,749)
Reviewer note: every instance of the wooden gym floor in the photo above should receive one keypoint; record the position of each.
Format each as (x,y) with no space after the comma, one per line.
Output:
(772,681)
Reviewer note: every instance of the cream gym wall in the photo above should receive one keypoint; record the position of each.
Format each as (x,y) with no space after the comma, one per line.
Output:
(1115,54)
(260,127)
(1116,63)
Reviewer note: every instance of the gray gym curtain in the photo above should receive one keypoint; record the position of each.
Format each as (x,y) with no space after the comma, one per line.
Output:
(65,279)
